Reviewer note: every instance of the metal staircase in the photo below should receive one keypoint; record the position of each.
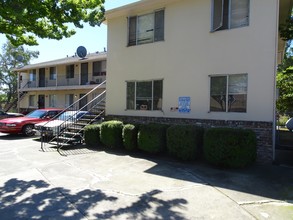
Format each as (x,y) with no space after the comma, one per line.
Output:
(14,103)
(70,132)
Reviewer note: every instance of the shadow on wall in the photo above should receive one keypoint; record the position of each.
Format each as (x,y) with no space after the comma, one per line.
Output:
(38,200)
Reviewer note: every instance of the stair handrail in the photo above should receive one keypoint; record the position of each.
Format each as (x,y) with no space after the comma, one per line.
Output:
(76,120)
(77,111)
(74,103)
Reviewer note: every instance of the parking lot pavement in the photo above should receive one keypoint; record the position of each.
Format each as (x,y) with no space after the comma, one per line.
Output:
(92,184)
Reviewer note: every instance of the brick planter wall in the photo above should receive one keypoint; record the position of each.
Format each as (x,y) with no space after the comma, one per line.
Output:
(263,130)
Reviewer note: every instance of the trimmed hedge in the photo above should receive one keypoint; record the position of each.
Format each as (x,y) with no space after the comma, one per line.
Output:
(111,134)
(129,136)
(92,135)
(185,141)
(230,147)
(152,138)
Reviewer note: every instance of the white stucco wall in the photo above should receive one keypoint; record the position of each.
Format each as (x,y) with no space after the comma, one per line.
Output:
(189,54)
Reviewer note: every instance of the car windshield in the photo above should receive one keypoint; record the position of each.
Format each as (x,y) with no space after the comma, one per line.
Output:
(37,114)
(70,115)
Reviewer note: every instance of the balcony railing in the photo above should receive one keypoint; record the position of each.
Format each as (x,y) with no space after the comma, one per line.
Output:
(27,84)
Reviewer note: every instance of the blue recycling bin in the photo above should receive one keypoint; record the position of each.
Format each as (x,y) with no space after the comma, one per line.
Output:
(289,124)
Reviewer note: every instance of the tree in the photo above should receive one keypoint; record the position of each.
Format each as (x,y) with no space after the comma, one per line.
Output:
(22,21)
(285,86)
(11,58)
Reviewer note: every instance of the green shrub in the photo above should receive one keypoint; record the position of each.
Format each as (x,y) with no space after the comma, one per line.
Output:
(129,135)
(92,135)
(230,147)
(152,138)
(111,133)
(185,141)
(282,120)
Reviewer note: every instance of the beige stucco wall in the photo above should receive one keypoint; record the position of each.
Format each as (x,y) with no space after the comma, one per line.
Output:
(189,54)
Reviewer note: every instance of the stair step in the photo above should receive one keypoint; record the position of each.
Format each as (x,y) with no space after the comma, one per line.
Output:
(76,128)
(68,139)
(72,134)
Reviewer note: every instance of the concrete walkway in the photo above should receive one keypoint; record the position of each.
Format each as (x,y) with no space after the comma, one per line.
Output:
(91,184)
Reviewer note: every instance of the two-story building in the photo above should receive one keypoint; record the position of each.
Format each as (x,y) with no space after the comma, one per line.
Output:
(59,83)
(205,62)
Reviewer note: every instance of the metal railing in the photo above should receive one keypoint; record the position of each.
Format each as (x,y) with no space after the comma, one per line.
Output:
(61,81)
(87,110)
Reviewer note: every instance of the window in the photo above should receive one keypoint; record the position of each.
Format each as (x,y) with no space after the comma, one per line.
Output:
(33,74)
(146,28)
(70,71)
(52,100)
(228,93)
(31,100)
(228,14)
(99,68)
(144,95)
(68,99)
(52,73)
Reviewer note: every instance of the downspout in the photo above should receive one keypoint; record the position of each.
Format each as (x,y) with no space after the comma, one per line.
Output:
(18,91)
(275,78)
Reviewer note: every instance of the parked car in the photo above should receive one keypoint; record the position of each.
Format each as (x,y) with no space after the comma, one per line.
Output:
(289,124)
(9,115)
(25,124)
(50,129)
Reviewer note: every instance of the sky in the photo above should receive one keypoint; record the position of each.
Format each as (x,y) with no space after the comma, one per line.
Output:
(92,38)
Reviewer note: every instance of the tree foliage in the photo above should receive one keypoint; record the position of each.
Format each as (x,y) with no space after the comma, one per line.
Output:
(22,21)
(285,86)
(11,58)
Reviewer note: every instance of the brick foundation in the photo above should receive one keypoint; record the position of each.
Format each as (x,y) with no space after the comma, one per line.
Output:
(263,130)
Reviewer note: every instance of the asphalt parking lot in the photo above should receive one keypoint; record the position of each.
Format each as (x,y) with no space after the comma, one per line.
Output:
(96,184)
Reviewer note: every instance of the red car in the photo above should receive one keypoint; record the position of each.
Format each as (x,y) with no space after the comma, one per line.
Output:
(25,124)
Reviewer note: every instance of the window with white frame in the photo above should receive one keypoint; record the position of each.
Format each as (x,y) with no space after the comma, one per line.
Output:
(33,74)
(52,73)
(70,71)
(52,100)
(144,95)
(32,100)
(99,68)
(228,93)
(228,14)
(69,98)
(146,28)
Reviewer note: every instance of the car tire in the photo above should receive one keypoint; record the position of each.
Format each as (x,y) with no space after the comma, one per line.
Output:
(27,130)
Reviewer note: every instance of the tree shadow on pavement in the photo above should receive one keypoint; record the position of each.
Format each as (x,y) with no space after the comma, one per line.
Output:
(37,199)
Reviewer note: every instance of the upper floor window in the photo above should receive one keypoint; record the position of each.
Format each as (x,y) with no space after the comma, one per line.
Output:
(144,95)
(228,93)
(228,14)
(146,28)
(33,74)
(70,71)
(99,68)
(52,73)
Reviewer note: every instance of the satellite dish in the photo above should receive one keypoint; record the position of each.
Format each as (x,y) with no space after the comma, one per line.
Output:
(19,58)
(81,52)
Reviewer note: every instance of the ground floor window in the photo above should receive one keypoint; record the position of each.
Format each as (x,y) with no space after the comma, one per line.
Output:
(52,100)
(228,93)
(69,98)
(32,100)
(144,95)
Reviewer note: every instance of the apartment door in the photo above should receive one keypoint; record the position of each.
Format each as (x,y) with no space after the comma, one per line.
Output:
(41,101)
(42,77)
(82,102)
(84,74)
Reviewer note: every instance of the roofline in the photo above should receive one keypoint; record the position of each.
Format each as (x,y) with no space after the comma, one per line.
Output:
(62,61)
(135,7)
